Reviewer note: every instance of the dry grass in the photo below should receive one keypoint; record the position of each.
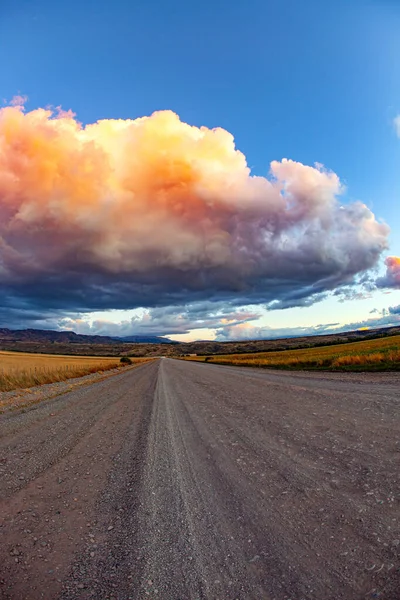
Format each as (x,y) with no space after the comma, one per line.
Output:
(379,354)
(23,370)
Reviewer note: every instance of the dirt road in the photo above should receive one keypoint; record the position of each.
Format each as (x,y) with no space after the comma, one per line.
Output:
(187,481)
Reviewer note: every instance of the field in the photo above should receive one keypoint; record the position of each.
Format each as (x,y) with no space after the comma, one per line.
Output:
(369,355)
(19,370)
(66,343)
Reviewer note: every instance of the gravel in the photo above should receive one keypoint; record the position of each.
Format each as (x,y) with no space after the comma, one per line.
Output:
(22,398)
(181,480)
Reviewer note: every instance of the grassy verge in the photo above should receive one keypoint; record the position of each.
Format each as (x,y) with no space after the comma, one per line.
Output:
(370,355)
(26,370)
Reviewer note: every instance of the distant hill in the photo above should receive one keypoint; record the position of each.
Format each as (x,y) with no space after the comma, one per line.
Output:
(68,342)
(272,345)
(47,335)
(142,339)
(70,337)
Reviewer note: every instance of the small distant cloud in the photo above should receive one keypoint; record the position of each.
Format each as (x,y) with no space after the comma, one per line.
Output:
(247,331)
(392,277)
(64,114)
(19,101)
(396,123)
(351,294)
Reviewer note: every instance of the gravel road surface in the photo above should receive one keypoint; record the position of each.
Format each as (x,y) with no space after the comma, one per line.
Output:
(187,481)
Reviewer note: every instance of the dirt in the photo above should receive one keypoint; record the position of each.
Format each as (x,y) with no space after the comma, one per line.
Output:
(181,480)
(22,398)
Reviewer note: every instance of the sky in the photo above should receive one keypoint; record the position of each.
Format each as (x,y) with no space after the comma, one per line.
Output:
(200,170)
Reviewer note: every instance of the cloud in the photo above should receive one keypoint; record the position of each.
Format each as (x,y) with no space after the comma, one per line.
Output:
(392,276)
(227,322)
(154,212)
(19,101)
(346,294)
(396,123)
(246,331)
(172,320)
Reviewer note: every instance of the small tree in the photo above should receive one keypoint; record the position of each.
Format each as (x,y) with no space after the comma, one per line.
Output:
(125,360)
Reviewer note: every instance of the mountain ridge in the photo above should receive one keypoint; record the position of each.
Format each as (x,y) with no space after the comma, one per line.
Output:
(70,337)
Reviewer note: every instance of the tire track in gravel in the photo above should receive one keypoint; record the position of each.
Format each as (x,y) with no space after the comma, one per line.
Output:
(104,569)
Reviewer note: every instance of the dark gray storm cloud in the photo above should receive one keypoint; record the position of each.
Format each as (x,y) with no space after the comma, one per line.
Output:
(394,310)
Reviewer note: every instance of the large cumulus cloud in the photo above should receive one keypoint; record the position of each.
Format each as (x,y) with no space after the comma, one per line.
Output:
(155,212)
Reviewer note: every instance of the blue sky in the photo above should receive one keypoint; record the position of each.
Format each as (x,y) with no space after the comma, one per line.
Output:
(310,81)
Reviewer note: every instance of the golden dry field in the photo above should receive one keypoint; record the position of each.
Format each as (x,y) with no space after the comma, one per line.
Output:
(22,370)
(378,354)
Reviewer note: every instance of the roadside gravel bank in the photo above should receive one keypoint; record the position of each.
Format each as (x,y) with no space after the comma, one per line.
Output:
(23,398)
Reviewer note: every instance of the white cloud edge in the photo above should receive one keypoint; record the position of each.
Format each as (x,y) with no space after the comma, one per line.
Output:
(396,124)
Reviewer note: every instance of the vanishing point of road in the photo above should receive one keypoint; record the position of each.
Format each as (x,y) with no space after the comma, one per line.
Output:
(186,481)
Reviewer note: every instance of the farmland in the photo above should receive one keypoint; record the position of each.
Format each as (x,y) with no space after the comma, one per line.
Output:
(67,343)
(368,355)
(20,370)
